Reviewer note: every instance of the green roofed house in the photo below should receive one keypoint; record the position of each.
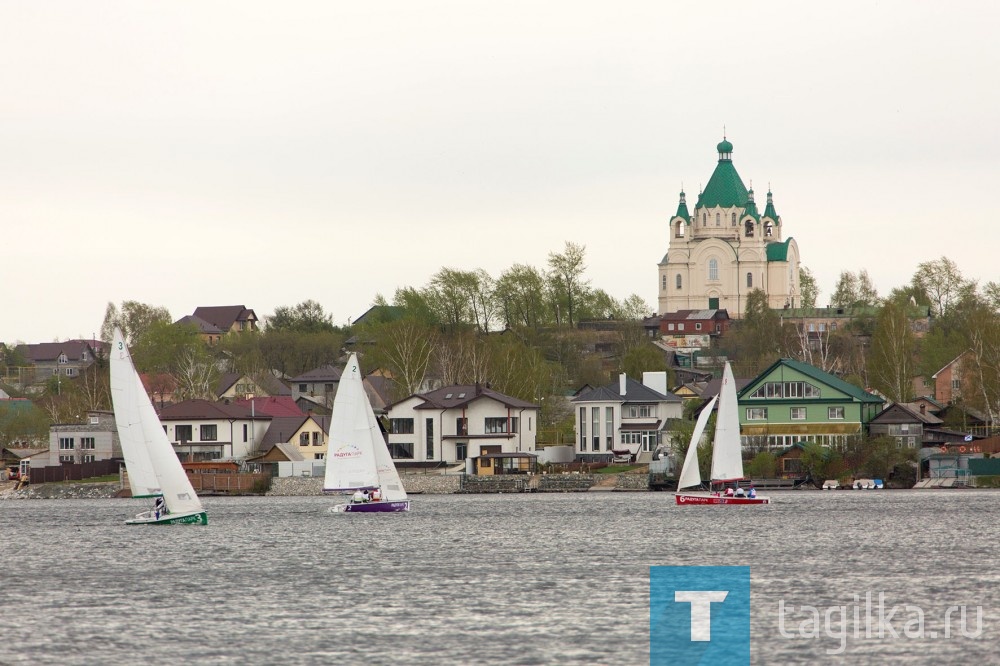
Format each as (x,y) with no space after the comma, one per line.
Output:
(726,248)
(794,402)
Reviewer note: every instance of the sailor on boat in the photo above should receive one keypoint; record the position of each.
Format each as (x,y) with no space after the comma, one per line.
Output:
(377,495)
(740,492)
(359,497)
(729,491)
(752,493)
(159,506)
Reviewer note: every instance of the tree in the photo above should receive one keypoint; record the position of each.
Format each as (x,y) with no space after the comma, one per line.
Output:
(23,424)
(808,289)
(758,339)
(981,367)
(306,317)
(854,290)
(566,277)
(159,346)
(891,365)
(405,348)
(943,283)
(763,466)
(518,296)
(133,318)
(642,358)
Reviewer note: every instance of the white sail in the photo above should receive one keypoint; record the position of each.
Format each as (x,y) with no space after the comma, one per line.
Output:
(727,450)
(357,450)
(148,453)
(690,474)
(126,388)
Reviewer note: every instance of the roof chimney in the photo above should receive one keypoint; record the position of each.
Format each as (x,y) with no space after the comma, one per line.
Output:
(621,384)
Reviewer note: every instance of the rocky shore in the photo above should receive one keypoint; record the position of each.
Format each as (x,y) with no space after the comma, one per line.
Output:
(62,491)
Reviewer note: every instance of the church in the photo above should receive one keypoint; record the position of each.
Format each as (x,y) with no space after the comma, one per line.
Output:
(726,249)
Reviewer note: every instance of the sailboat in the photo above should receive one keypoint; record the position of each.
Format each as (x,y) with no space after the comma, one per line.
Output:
(357,457)
(727,453)
(153,467)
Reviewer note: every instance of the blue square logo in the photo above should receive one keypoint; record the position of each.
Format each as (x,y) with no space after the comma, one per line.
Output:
(699,615)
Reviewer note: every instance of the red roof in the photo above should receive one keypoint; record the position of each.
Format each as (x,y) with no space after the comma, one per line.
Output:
(275,406)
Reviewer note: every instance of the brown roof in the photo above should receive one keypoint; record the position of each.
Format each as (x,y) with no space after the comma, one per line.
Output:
(224,316)
(50,351)
(325,373)
(463,394)
(203,409)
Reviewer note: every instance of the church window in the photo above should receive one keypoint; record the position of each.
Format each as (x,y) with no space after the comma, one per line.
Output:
(704,219)
(663,283)
(713,269)
(768,230)
(749,280)
(734,219)
(678,281)
(679,233)
(718,220)
(749,229)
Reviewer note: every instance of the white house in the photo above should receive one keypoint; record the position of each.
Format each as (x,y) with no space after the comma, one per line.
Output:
(624,416)
(203,430)
(455,423)
(96,438)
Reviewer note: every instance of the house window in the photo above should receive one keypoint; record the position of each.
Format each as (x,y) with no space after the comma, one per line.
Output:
(956,383)
(245,430)
(678,282)
(713,269)
(317,438)
(429,439)
(595,424)
(87,443)
(88,457)
(328,388)
(496,425)
(638,411)
(680,327)
(319,456)
(583,428)
(70,372)
(63,359)
(401,450)
(697,326)
(400,426)
(94,420)
(798,413)
(182,433)
(609,425)
(461,451)
(749,280)
(67,459)
(303,439)
(209,432)
(462,426)
(756,413)
(66,443)
(513,424)
(835,412)
(303,388)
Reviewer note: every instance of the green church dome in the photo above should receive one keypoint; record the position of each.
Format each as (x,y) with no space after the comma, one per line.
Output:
(725,147)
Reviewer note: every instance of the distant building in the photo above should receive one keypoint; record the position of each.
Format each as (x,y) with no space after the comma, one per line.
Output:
(59,359)
(93,439)
(213,322)
(693,328)
(726,248)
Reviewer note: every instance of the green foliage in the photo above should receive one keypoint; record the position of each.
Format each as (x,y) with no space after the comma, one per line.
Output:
(306,317)
(645,357)
(808,289)
(763,466)
(160,344)
(943,283)
(892,363)
(133,318)
(566,280)
(22,421)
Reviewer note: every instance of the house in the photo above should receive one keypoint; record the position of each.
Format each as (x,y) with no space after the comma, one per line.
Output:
(60,359)
(792,401)
(216,321)
(905,422)
(15,462)
(307,435)
(93,439)
(624,416)
(491,464)
(234,385)
(319,385)
(202,430)
(455,423)
(948,381)
(693,328)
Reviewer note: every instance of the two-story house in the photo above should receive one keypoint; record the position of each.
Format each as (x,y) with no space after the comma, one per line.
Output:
(61,359)
(93,439)
(904,422)
(307,434)
(456,423)
(624,417)
(793,401)
(213,322)
(948,381)
(203,430)
(318,385)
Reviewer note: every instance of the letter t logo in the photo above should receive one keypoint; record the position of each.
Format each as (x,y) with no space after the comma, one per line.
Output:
(701,610)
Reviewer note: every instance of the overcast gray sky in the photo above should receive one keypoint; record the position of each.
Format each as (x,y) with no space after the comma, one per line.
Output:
(262,153)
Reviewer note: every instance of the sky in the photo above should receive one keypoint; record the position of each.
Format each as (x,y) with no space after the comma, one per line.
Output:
(188,154)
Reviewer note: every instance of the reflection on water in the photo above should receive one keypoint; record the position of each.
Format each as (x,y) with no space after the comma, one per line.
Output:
(503,579)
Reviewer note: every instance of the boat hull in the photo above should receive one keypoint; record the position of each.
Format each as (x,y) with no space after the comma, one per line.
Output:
(373,507)
(195,518)
(691,498)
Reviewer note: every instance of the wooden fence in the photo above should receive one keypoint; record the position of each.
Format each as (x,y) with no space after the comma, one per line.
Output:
(73,471)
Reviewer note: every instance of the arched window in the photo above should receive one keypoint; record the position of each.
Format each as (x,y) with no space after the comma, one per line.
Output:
(663,283)
(767,229)
(718,220)
(680,229)
(713,269)
(749,280)
(704,219)
(678,280)
(734,219)
(749,229)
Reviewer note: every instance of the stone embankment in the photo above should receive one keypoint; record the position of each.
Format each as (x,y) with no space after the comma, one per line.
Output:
(431,484)
(64,491)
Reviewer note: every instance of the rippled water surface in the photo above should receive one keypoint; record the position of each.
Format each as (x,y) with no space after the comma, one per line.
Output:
(493,579)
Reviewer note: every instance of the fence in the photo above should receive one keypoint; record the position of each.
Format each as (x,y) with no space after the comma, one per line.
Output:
(73,471)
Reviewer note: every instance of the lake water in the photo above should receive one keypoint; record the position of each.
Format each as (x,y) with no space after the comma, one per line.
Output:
(490,579)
